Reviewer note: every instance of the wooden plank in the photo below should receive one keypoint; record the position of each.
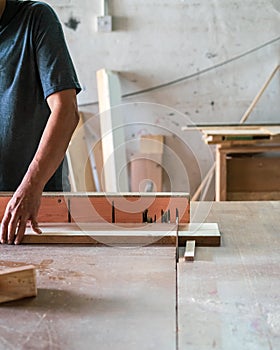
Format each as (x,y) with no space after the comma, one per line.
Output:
(146,166)
(241,131)
(17,283)
(124,234)
(151,144)
(272,130)
(189,251)
(104,234)
(79,161)
(112,132)
(206,127)
(98,158)
(246,141)
(146,170)
(250,149)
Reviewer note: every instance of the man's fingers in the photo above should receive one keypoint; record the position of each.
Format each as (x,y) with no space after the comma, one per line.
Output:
(35,227)
(12,229)
(4,229)
(20,231)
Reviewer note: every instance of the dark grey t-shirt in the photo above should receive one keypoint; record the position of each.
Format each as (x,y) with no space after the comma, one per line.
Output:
(34,63)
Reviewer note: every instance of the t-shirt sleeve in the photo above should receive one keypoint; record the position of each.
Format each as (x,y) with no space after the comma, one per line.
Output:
(55,66)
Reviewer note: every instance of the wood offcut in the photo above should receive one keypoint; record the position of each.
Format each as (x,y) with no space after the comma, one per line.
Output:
(189,251)
(17,283)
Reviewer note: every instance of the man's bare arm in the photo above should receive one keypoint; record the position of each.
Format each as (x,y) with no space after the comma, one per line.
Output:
(25,203)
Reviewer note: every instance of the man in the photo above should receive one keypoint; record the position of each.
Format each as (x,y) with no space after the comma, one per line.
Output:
(38,110)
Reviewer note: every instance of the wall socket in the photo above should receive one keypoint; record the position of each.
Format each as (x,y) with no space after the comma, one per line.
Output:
(104,24)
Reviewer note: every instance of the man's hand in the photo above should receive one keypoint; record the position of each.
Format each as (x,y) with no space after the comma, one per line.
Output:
(21,209)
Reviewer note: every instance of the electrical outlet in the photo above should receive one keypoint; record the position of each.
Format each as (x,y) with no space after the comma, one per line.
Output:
(104,24)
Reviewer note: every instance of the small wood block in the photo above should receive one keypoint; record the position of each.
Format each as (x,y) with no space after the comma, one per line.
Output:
(190,251)
(17,283)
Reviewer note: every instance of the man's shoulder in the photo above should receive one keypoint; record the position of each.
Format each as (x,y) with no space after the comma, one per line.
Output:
(31,6)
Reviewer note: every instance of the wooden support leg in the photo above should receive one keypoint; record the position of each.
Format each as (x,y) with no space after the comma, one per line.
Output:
(221,175)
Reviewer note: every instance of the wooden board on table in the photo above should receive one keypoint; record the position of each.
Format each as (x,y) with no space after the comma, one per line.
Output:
(125,234)
(17,283)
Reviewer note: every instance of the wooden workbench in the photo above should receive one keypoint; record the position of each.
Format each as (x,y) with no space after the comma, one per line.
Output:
(125,298)
(247,161)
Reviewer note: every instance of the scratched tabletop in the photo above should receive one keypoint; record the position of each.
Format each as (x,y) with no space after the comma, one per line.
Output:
(229,297)
(138,298)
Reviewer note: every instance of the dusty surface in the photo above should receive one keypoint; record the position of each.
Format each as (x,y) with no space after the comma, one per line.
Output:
(92,298)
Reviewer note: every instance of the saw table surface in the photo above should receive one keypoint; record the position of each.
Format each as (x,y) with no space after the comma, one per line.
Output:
(127,298)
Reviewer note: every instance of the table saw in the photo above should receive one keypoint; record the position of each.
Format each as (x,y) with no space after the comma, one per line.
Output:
(138,296)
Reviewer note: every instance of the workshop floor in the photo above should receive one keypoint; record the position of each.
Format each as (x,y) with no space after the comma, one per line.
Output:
(123,298)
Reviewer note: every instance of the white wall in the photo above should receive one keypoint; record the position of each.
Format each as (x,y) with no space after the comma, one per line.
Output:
(155,42)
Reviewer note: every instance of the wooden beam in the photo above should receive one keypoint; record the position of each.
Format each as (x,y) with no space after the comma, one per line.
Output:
(17,283)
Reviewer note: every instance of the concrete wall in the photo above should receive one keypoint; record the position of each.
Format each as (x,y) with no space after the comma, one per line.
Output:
(222,50)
